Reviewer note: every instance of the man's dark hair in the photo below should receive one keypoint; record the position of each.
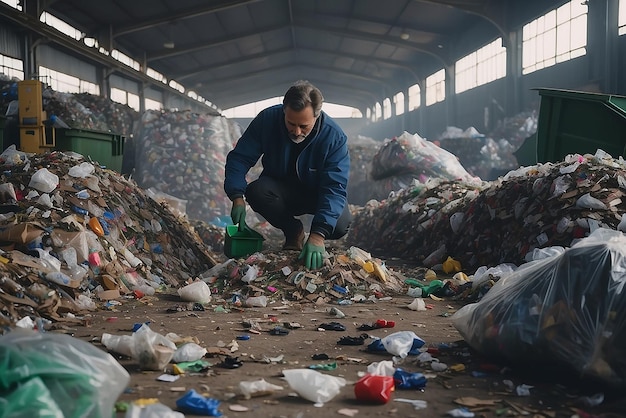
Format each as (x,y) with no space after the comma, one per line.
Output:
(302,94)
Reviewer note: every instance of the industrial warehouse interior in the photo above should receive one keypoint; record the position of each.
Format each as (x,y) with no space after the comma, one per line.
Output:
(481,271)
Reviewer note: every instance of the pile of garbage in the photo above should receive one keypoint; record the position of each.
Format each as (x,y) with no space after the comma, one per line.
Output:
(183,154)
(86,111)
(501,221)
(362,151)
(401,160)
(76,237)
(72,234)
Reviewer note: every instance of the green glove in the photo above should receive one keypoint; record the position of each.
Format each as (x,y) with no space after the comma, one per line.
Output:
(312,255)
(238,215)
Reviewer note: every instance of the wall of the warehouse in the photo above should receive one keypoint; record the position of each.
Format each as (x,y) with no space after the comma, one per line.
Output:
(468,108)
(600,70)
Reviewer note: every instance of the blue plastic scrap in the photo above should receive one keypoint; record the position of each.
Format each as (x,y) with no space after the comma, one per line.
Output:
(408,380)
(194,403)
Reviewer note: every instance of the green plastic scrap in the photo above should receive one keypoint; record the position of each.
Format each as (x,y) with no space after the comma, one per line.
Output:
(193,366)
(427,288)
(326,367)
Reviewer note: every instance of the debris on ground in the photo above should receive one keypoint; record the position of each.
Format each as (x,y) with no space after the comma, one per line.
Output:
(74,234)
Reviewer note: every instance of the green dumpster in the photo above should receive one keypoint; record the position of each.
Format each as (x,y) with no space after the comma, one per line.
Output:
(105,148)
(580,122)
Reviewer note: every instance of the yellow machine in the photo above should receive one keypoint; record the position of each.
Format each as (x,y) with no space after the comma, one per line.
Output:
(35,137)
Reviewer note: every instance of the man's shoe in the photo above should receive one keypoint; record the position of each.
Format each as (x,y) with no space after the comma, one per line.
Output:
(295,243)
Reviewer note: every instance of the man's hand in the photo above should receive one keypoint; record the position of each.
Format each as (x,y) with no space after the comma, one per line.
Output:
(238,213)
(313,251)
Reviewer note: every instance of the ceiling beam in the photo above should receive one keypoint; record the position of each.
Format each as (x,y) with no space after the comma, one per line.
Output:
(323,17)
(213,7)
(266,54)
(482,8)
(366,36)
(223,87)
(253,73)
(361,99)
(199,46)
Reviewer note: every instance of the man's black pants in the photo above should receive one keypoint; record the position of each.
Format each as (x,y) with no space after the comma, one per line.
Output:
(279,202)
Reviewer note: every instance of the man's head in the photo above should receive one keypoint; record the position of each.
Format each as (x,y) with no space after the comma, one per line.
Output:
(302,105)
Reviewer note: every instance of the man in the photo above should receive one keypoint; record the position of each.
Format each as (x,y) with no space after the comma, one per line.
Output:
(305,171)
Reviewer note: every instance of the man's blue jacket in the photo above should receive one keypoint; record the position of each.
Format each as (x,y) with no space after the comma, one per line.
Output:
(323,165)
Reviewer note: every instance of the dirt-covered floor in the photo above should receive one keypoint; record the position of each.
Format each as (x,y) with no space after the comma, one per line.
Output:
(486,388)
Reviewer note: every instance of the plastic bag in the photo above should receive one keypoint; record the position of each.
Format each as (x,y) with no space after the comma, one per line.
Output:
(155,410)
(408,380)
(44,181)
(197,291)
(567,311)
(411,154)
(189,352)
(401,343)
(381,368)
(374,388)
(313,385)
(257,388)
(82,170)
(194,403)
(151,350)
(55,375)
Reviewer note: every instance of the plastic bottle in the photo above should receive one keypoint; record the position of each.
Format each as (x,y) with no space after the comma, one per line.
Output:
(96,227)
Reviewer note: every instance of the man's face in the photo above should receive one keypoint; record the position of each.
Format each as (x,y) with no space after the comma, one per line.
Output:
(299,124)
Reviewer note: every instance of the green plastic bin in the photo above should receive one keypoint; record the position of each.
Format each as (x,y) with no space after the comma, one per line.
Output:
(241,243)
(580,122)
(106,148)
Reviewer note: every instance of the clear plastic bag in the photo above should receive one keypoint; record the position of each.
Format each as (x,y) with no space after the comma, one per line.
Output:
(260,387)
(151,350)
(44,181)
(313,385)
(55,375)
(567,311)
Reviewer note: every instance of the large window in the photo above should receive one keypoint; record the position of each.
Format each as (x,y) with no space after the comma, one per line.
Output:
(60,25)
(436,87)
(13,3)
(378,112)
(124,97)
(153,104)
(386,108)
(11,67)
(481,67)
(66,83)
(398,101)
(250,110)
(415,97)
(557,36)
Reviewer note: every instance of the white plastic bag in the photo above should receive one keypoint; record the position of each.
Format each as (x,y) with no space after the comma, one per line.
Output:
(381,368)
(260,387)
(313,385)
(197,291)
(44,181)
(82,170)
(155,410)
(189,352)
(399,343)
